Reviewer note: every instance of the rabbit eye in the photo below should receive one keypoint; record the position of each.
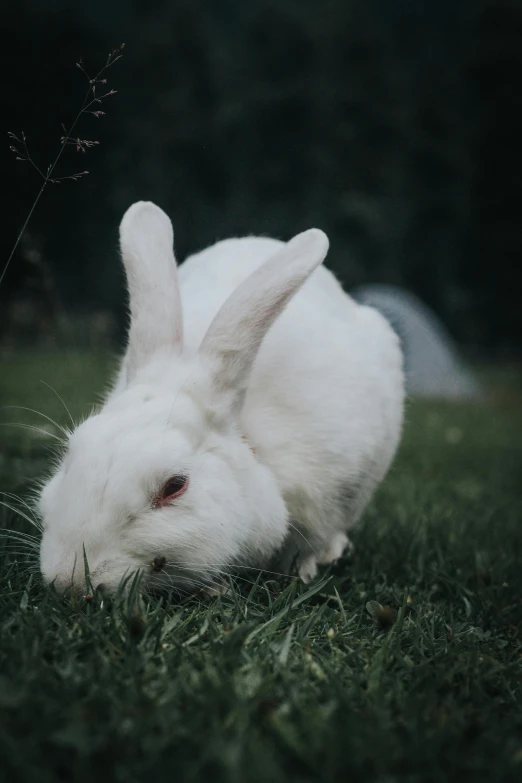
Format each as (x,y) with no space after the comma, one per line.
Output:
(173,488)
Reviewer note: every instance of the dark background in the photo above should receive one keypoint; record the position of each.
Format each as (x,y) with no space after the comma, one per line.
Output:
(394,125)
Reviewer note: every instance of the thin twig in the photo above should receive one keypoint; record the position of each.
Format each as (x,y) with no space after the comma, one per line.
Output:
(82,145)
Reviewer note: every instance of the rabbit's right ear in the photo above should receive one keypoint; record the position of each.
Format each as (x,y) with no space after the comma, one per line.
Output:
(146,241)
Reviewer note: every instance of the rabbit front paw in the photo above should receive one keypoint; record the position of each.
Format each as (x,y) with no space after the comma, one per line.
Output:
(339,543)
(337,546)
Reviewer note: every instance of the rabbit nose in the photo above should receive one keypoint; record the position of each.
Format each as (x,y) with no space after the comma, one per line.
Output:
(158,563)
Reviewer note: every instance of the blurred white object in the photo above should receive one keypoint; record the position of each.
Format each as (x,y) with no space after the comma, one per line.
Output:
(432,362)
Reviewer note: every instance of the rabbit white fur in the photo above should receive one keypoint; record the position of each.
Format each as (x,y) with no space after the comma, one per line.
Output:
(251,377)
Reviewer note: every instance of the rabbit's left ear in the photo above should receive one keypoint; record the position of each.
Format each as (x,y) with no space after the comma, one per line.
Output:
(235,335)
(146,240)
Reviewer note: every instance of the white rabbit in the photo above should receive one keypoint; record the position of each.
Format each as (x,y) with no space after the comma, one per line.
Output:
(256,410)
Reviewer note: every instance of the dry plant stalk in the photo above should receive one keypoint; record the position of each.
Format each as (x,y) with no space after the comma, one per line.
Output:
(20,148)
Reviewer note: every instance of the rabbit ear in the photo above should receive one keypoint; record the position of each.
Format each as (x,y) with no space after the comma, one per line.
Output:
(234,336)
(146,241)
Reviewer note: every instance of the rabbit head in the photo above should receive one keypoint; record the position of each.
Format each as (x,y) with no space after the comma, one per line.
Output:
(161,480)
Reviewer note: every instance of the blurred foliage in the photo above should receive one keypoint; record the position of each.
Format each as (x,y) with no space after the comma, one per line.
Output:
(393,127)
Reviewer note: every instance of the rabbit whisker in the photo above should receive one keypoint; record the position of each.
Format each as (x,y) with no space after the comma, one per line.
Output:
(21,514)
(35,521)
(61,400)
(65,432)
(33,428)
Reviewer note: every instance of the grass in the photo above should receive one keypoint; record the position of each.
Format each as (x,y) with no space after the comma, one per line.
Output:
(277,681)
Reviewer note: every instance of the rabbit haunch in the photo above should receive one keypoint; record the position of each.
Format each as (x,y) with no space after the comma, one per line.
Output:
(251,373)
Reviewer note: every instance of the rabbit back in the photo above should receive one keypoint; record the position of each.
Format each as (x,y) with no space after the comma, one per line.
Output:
(324,404)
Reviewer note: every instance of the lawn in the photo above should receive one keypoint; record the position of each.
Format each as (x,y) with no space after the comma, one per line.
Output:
(277,681)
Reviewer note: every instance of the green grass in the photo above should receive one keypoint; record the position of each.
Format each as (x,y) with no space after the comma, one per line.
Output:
(278,681)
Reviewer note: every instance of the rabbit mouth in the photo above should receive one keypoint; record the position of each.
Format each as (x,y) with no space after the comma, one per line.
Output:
(182,582)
